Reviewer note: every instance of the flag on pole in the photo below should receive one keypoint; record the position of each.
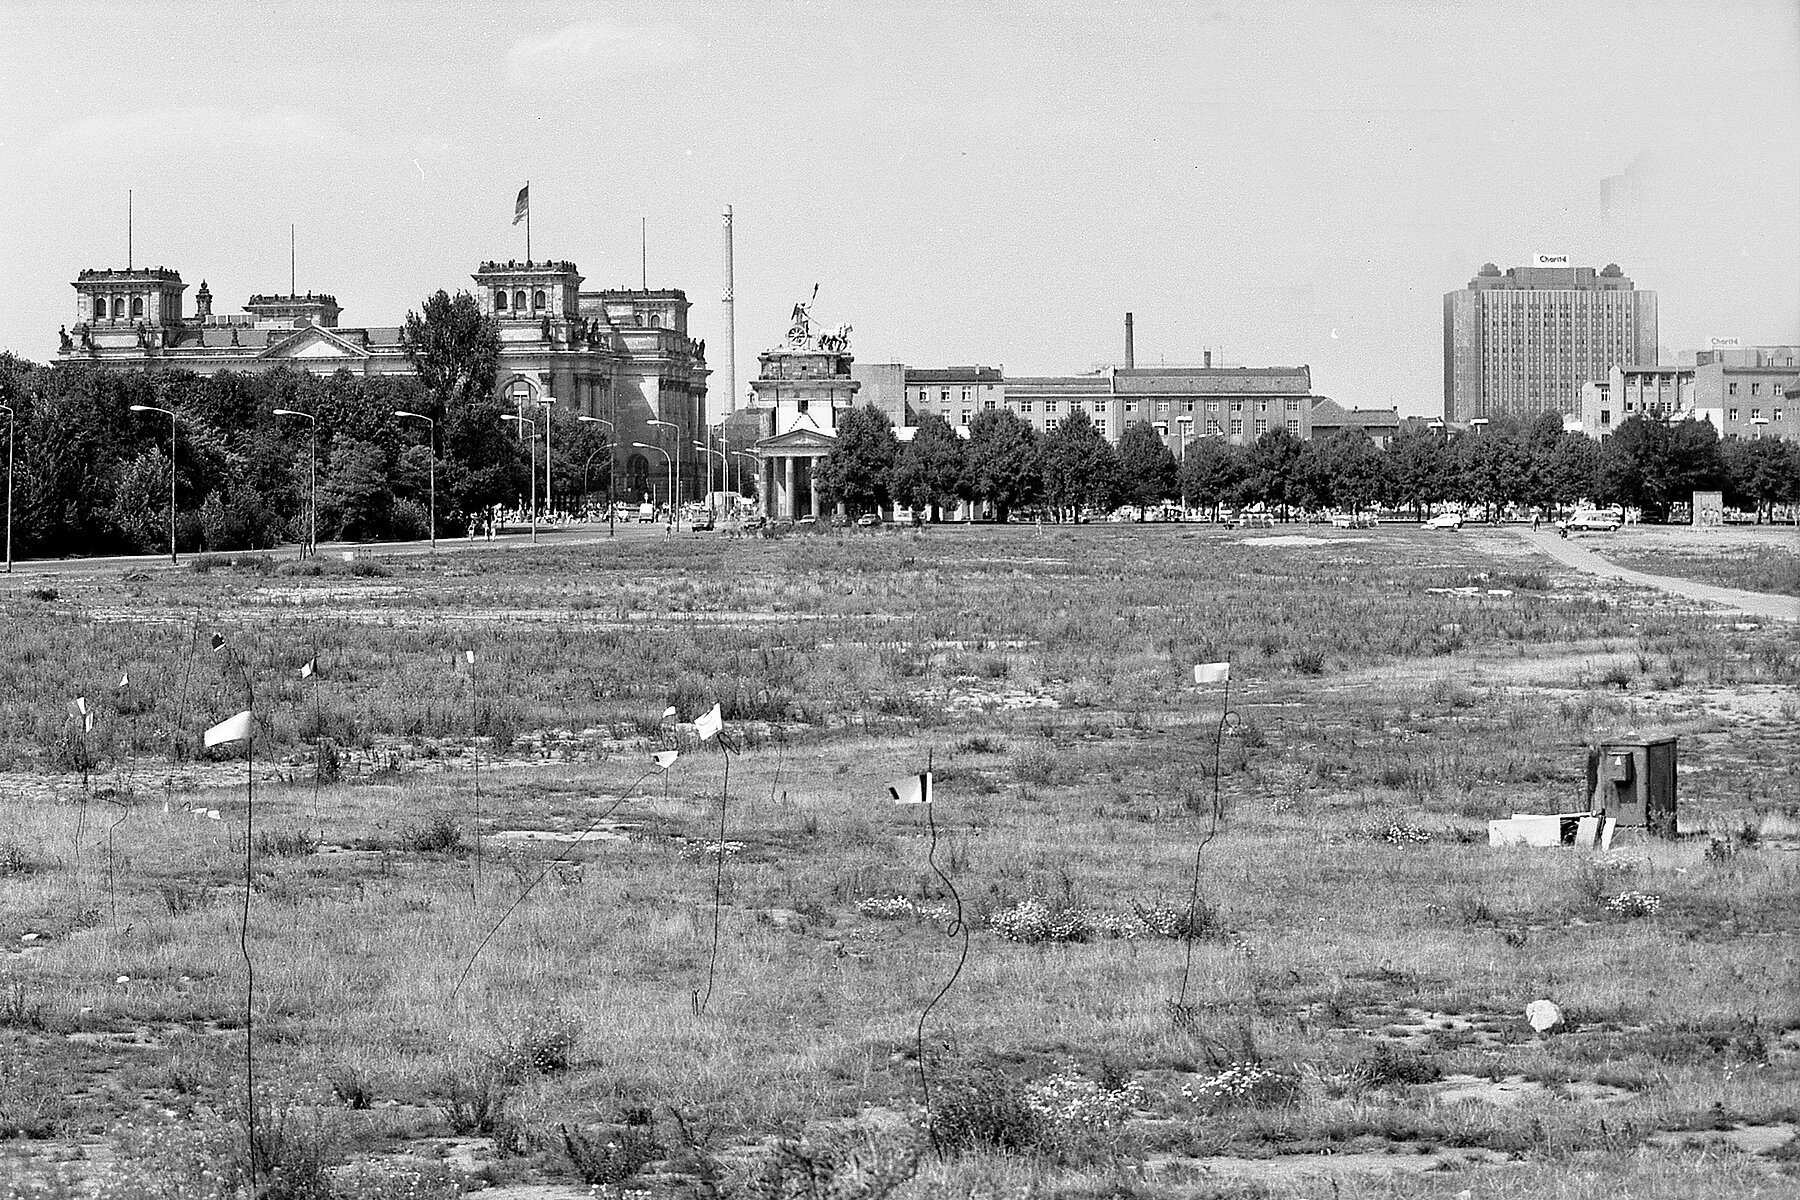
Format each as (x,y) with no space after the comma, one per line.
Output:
(218,641)
(1212,672)
(669,713)
(124,681)
(212,814)
(78,707)
(469,656)
(666,758)
(231,729)
(87,722)
(914,789)
(307,668)
(522,205)
(708,724)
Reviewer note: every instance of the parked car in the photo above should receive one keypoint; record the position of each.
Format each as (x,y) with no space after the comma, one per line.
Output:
(1254,521)
(868,520)
(1591,521)
(646,513)
(1445,521)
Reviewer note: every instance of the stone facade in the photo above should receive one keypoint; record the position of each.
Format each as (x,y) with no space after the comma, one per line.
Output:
(802,389)
(623,356)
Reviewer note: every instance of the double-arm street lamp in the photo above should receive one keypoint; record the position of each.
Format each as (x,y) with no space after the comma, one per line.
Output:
(430,463)
(671,465)
(171,415)
(546,404)
(312,504)
(755,470)
(7,408)
(674,472)
(531,473)
(611,433)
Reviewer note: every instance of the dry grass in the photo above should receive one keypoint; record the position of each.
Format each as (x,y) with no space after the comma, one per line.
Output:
(1077,772)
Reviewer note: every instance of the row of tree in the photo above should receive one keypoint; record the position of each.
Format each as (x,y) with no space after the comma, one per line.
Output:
(1004,464)
(91,476)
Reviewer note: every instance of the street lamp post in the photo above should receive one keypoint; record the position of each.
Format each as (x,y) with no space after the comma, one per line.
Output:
(171,415)
(724,465)
(755,470)
(611,433)
(531,473)
(671,465)
(546,404)
(674,475)
(9,477)
(430,465)
(312,503)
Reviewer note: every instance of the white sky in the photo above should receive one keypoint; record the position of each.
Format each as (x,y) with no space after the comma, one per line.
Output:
(968,182)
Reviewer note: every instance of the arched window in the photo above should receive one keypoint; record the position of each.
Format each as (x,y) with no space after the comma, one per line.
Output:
(519,300)
(118,306)
(137,306)
(99,308)
(537,299)
(655,321)
(500,300)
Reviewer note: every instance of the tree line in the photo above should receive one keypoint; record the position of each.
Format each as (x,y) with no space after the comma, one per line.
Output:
(91,476)
(1648,464)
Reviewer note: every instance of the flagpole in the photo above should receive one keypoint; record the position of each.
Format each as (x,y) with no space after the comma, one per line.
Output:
(528,222)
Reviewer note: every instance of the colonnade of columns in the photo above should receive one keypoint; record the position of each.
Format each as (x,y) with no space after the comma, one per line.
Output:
(790,487)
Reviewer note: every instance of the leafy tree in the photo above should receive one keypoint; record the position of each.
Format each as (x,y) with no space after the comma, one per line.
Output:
(1343,471)
(1650,464)
(860,465)
(1004,461)
(1494,467)
(1419,465)
(1760,473)
(1269,465)
(1569,471)
(354,495)
(931,471)
(1080,468)
(1147,471)
(1211,470)
(456,351)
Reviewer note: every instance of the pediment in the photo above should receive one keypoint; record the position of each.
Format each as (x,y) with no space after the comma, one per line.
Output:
(799,439)
(315,343)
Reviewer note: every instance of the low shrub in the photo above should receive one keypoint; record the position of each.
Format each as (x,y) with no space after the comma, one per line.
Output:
(287,843)
(981,1107)
(607,1156)
(540,1045)
(15,859)
(869,1168)
(475,1103)
(440,833)
(1242,1085)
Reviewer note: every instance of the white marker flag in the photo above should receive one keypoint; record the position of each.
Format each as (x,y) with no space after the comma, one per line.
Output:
(124,681)
(231,729)
(212,814)
(218,641)
(78,707)
(470,655)
(307,668)
(914,789)
(1212,672)
(669,713)
(708,724)
(87,722)
(665,758)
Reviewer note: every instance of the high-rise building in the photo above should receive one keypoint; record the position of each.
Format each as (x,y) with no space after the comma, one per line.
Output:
(1524,343)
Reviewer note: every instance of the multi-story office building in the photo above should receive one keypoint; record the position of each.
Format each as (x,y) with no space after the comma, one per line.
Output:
(1744,392)
(1634,391)
(1525,342)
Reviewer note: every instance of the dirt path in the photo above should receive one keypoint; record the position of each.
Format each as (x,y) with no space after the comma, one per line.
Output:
(1572,553)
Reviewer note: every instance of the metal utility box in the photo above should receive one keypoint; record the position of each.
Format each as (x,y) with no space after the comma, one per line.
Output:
(1634,783)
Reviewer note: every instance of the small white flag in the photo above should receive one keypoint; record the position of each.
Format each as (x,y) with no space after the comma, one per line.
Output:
(212,814)
(231,729)
(708,724)
(914,789)
(78,707)
(666,758)
(124,681)
(306,668)
(669,713)
(469,656)
(218,641)
(87,722)
(1212,672)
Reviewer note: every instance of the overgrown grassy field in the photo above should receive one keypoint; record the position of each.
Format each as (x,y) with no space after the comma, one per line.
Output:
(670,1010)
(1758,559)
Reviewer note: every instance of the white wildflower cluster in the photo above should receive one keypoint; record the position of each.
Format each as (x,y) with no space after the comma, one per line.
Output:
(1070,1100)
(898,908)
(1634,904)
(707,851)
(1239,1084)
(1032,921)
(1397,831)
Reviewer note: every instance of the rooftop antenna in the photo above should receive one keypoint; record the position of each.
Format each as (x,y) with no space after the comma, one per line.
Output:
(293,272)
(128,229)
